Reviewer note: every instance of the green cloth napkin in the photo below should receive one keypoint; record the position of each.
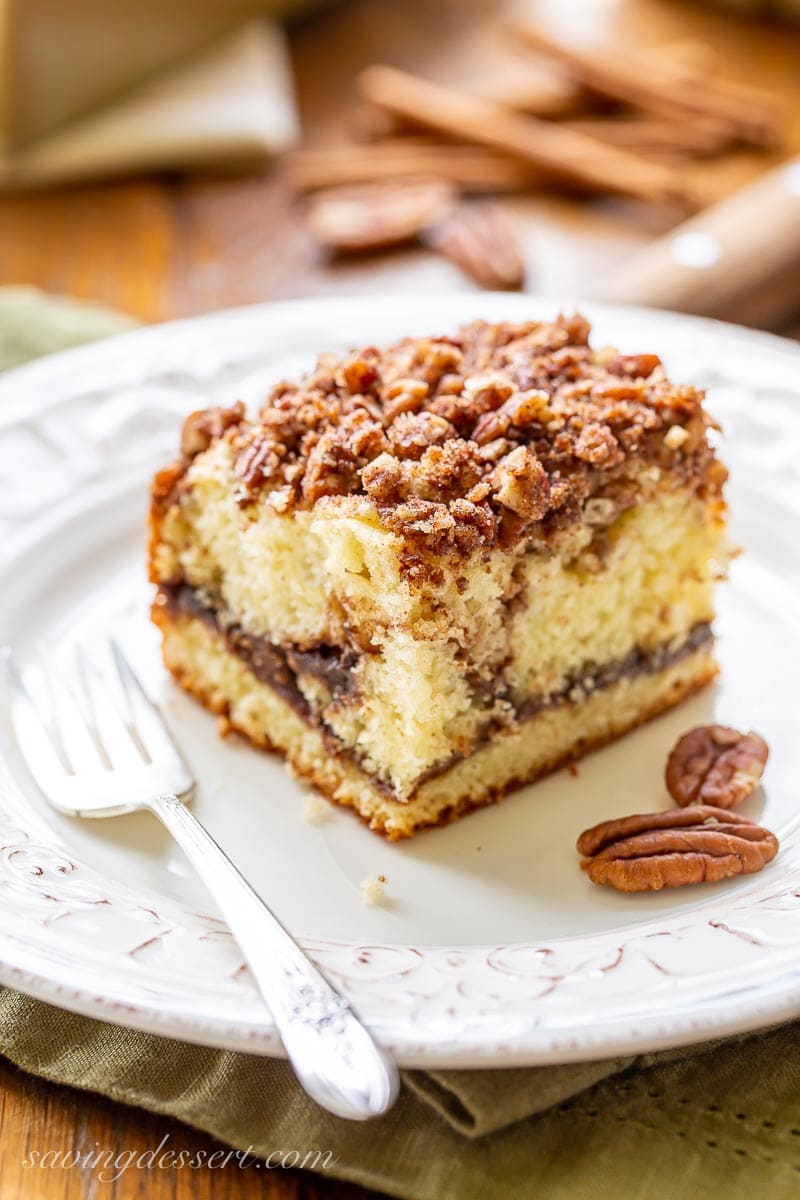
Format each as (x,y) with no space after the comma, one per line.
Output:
(32,324)
(711,1122)
(723,1118)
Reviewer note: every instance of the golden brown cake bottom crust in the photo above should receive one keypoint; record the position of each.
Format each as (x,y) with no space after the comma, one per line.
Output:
(202,664)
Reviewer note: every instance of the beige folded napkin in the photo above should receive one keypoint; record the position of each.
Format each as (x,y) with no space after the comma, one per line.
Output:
(231,105)
(61,59)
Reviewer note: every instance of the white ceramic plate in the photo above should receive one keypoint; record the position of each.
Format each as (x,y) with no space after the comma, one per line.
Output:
(492,948)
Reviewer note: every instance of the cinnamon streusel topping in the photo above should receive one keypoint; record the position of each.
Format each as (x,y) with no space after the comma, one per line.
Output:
(466,440)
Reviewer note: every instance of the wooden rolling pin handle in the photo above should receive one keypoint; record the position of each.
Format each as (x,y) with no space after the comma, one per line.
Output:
(738,260)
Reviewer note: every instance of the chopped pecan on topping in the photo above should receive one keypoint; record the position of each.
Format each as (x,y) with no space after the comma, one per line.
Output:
(412,433)
(578,329)
(716,475)
(490,426)
(474,523)
(404,395)
(637,366)
(359,375)
(361,436)
(596,445)
(619,412)
(334,461)
(417,388)
(201,428)
(459,410)
(375,216)
(480,394)
(521,484)
(482,242)
(256,463)
(327,472)
(460,526)
(480,493)
(167,485)
(492,451)
(447,472)
(384,479)
(450,385)
(435,358)
(650,851)
(488,389)
(599,510)
(488,416)
(714,764)
(280,498)
(560,491)
(427,519)
(529,408)
(366,403)
(616,391)
(520,411)
(603,356)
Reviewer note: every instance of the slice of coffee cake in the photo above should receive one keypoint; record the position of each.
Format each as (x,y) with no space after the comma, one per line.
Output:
(430,573)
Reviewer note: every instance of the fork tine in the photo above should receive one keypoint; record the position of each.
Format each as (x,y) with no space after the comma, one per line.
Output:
(34,735)
(145,718)
(114,738)
(79,746)
(21,692)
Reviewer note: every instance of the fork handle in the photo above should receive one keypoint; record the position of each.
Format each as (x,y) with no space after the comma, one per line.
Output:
(333,1055)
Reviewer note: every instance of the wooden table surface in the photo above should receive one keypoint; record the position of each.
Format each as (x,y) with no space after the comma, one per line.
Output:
(160,248)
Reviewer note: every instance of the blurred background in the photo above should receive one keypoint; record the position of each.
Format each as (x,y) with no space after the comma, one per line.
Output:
(169,157)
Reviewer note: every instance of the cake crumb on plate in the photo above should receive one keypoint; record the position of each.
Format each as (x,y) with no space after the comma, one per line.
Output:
(315,809)
(373,889)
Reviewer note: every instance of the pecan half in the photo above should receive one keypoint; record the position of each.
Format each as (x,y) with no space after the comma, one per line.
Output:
(376,216)
(481,241)
(650,851)
(713,764)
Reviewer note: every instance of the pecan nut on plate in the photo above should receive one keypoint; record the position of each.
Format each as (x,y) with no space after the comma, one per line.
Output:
(713,764)
(698,844)
(482,242)
(377,216)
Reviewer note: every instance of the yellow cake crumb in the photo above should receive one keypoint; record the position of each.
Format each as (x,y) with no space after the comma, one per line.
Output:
(315,809)
(373,890)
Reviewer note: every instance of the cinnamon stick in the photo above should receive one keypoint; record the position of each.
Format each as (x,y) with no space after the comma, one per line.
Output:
(647,135)
(470,168)
(561,152)
(565,98)
(745,96)
(689,52)
(669,89)
(540,97)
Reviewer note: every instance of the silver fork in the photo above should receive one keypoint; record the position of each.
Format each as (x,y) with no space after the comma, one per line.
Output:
(97,747)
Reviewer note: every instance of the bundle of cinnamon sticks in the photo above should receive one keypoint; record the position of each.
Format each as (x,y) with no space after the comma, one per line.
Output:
(614,123)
